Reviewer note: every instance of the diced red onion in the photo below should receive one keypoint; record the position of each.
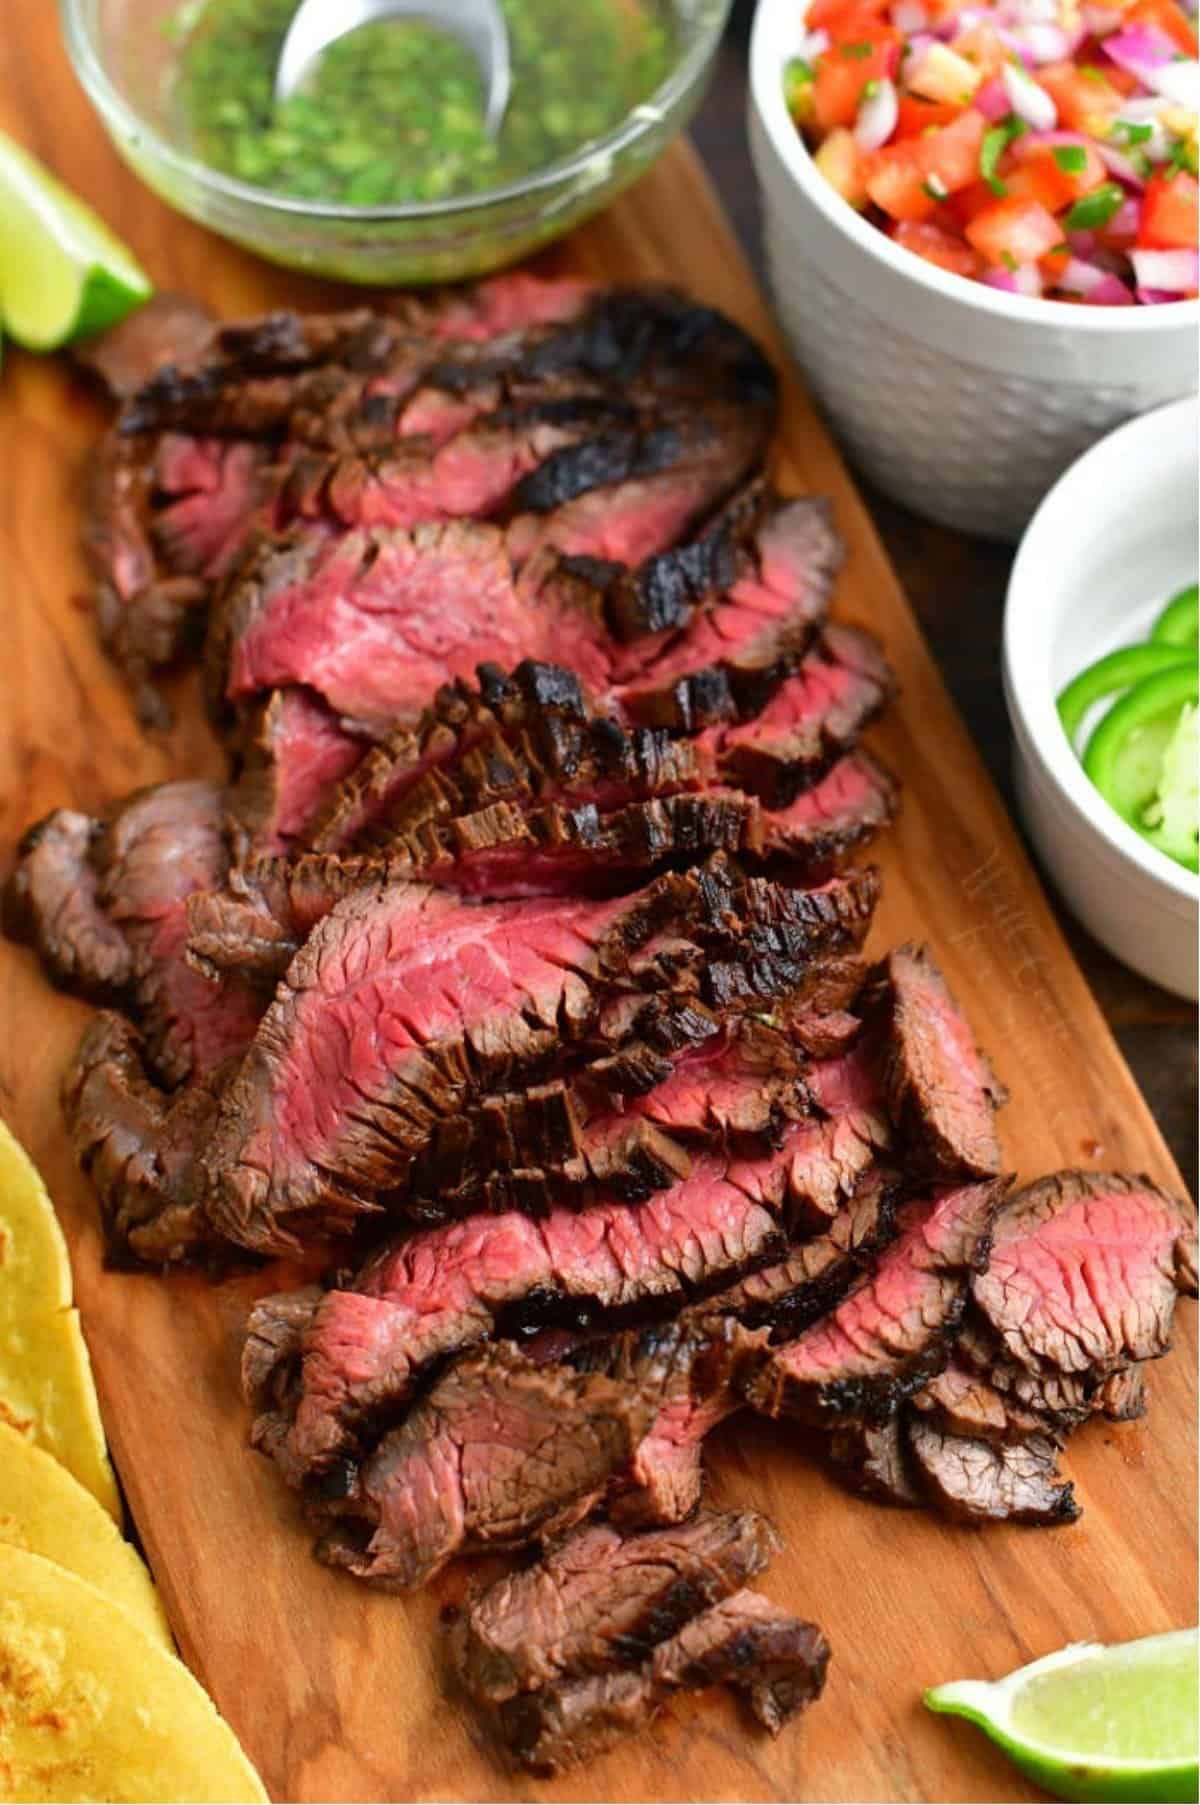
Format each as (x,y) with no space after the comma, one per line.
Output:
(1093,284)
(917,46)
(877,117)
(1178,82)
(1118,164)
(1100,20)
(1082,243)
(812,45)
(1124,222)
(909,16)
(1173,272)
(1035,12)
(1141,50)
(1026,280)
(1030,102)
(1040,44)
(992,100)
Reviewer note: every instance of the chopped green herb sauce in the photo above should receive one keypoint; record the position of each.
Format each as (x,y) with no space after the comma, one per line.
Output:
(393,113)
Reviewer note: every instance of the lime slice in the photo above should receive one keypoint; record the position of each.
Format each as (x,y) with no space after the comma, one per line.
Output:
(1096,1722)
(62,272)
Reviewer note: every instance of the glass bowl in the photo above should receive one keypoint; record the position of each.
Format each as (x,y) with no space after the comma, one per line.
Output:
(126,60)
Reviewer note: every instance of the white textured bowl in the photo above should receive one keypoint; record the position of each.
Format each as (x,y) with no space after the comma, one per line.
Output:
(958,400)
(1113,539)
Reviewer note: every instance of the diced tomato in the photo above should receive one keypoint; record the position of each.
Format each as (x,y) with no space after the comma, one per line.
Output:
(937,246)
(1086,100)
(918,116)
(1169,18)
(895,181)
(952,154)
(841,163)
(910,180)
(963,206)
(983,46)
(1039,175)
(846,68)
(1014,231)
(1169,212)
(837,16)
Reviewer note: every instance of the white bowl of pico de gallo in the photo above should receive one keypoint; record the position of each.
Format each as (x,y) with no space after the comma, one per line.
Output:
(981,231)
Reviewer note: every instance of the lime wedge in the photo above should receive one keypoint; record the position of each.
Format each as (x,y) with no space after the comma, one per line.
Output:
(62,272)
(1095,1722)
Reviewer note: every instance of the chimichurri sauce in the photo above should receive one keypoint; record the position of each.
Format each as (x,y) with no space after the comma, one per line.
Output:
(393,113)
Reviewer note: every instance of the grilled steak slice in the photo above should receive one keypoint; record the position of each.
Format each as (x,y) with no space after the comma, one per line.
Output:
(960,1402)
(168,330)
(138,1145)
(893,1332)
(990,1482)
(730,658)
(51,901)
(1061,1400)
(600,1599)
(777,1661)
(83,887)
(501,1451)
(451,1287)
(292,750)
(690,1371)
(1122,1396)
(874,1459)
(941,1093)
(1084,1273)
(817,1273)
(462,1000)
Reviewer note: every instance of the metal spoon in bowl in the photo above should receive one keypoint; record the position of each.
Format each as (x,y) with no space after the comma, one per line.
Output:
(478,24)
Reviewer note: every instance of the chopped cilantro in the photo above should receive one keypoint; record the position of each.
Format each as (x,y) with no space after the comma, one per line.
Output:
(871,90)
(1071,158)
(1090,72)
(1009,261)
(995,143)
(935,188)
(856,53)
(1129,133)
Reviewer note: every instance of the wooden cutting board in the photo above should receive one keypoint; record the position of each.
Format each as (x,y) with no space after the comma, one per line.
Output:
(335,1692)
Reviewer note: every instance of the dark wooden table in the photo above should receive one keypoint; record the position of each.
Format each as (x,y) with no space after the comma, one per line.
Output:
(957,586)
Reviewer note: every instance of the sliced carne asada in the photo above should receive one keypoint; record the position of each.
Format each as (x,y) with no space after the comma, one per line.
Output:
(776,1661)
(448,1288)
(960,1402)
(1085,1270)
(138,1145)
(499,1452)
(941,1093)
(816,1273)
(84,887)
(874,1459)
(292,750)
(1122,1396)
(691,1371)
(51,902)
(987,1481)
(600,1599)
(731,657)
(167,331)
(894,1331)
(442,1002)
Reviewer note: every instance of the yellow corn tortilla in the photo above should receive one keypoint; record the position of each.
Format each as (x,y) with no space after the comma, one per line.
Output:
(46,1389)
(91,1709)
(45,1511)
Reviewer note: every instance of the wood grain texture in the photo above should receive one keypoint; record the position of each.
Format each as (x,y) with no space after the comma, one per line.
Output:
(337,1694)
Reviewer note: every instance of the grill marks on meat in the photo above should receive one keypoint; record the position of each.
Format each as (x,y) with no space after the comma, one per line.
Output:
(584,1646)
(499,1452)
(599,1598)
(358,420)
(405,1005)
(892,1332)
